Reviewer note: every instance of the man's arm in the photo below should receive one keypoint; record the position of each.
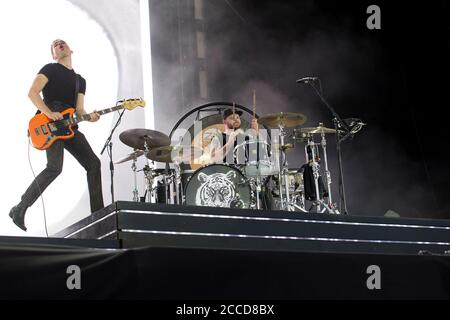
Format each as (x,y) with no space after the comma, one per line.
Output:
(35,96)
(218,153)
(80,108)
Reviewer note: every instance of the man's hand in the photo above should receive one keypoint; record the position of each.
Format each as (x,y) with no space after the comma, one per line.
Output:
(232,136)
(54,116)
(94,116)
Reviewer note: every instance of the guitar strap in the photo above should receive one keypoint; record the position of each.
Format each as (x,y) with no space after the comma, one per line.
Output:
(77,88)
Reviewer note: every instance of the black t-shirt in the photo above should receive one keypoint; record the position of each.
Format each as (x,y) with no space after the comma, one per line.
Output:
(229,156)
(59,92)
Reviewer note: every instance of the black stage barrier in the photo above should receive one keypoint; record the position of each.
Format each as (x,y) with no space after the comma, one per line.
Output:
(41,272)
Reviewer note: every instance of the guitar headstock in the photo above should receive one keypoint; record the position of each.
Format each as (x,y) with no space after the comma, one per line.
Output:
(130,104)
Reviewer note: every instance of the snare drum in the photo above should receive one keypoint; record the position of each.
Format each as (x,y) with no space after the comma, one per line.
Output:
(218,185)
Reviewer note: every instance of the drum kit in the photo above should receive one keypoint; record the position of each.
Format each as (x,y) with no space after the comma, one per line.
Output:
(263,180)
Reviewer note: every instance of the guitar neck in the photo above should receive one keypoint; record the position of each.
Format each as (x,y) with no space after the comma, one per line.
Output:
(87,117)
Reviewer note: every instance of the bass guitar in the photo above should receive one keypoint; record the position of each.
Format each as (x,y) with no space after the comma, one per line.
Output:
(44,132)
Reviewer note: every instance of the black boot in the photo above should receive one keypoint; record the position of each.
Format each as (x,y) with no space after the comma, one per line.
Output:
(17,214)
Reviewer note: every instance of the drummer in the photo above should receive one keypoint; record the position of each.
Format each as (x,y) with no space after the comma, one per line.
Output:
(222,147)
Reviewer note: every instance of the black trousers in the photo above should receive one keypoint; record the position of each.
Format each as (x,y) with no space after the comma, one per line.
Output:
(79,147)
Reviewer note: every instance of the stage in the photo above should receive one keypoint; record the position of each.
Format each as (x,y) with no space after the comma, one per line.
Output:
(132,250)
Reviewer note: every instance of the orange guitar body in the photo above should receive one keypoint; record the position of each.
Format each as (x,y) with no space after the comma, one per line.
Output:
(44,132)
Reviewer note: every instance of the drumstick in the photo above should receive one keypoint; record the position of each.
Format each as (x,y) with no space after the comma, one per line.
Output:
(234,108)
(254,104)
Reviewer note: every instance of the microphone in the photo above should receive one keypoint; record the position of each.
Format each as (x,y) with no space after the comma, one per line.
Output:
(307,79)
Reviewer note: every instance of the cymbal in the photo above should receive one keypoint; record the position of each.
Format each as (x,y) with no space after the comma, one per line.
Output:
(136,138)
(319,129)
(174,153)
(134,155)
(284,119)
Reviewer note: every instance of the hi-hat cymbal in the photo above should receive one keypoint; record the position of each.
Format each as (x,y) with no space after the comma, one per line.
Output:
(319,129)
(175,154)
(283,119)
(136,138)
(134,155)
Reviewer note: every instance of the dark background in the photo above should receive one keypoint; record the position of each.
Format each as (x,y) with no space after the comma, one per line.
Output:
(394,79)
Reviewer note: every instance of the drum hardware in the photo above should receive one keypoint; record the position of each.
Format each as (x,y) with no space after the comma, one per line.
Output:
(178,185)
(314,163)
(347,132)
(255,186)
(133,156)
(148,173)
(176,155)
(282,120)
(296,188)
(142,140)
(135,190)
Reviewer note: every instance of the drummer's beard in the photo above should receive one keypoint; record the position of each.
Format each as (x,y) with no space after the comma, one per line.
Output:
(233,125)
(237,124)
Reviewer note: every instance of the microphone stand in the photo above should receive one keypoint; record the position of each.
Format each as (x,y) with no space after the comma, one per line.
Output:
(337,120)
(109,145)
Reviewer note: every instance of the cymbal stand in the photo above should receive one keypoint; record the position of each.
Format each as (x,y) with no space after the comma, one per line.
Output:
(300,207)
(315,167)
(177,179)
(283,173)
(328,174)
(148,183)
(316,173)
(337,124)
(258,191)
(296,199)
(148,173)
(135,190)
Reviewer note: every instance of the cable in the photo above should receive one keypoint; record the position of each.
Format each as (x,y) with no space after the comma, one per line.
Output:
(39,188)
(235,11)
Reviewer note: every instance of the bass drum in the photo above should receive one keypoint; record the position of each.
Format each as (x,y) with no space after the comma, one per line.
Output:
(218,185)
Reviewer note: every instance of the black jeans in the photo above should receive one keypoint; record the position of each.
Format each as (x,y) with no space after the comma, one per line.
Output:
(79,147)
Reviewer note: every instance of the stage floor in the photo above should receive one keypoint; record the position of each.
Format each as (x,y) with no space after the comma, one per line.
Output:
(145,251)
(136,224)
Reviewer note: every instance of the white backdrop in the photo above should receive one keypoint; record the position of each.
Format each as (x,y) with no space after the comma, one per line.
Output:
(28,28)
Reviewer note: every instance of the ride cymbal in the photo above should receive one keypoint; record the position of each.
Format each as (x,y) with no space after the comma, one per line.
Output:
(136,138)
(282,119)
(319,129)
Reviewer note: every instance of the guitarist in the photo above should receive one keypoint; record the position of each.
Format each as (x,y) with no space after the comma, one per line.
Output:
(62,88)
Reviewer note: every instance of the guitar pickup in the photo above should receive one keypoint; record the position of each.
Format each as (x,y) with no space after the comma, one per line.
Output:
(36,130)
(52,127)
(44,129)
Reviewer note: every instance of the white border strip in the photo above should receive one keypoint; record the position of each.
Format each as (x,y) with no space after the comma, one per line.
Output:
(107,235)
(201,215)
(227,235)
(90,225)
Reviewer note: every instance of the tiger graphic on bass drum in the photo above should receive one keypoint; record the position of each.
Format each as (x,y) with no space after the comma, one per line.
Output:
(217,190)
(218,185)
